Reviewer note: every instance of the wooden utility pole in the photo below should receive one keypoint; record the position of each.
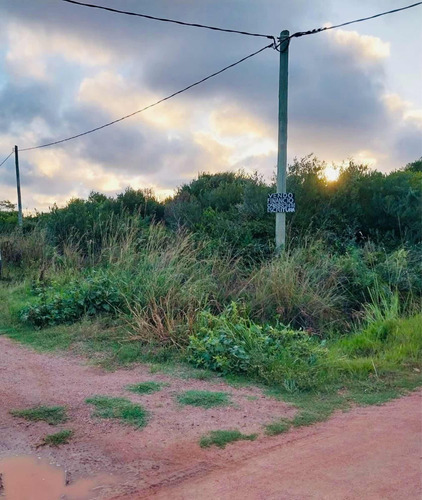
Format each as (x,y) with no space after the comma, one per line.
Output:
(18,187)
(280,220)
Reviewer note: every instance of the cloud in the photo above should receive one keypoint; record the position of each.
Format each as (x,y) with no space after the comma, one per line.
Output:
(69,69)
(363,46)
(31,48)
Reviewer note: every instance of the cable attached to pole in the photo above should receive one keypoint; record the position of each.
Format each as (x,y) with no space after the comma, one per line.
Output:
(154,104)
(319,30)
(5,160)
(166,20)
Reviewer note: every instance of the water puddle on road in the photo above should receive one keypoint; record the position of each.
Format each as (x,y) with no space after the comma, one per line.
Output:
(29,478)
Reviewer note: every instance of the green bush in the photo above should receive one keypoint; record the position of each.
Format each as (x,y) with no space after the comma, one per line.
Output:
(90,296)
(231,343)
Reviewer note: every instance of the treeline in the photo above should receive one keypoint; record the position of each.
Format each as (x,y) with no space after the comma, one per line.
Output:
(230,209)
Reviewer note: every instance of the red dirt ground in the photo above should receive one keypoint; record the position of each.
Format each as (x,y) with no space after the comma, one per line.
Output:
(370,453)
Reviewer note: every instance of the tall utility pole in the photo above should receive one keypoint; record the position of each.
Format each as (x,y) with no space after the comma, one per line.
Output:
(280,219)
(18,187)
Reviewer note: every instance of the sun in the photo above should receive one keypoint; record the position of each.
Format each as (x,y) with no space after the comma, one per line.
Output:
(331,174)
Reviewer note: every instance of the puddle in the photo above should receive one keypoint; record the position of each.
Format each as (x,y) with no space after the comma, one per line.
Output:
(29,478)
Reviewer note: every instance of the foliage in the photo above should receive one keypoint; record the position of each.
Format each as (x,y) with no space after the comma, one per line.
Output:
(303,287)
(51,414)
(88,223)
(232,343)
(120,409)
(90,296)
(221,438)
(62,437)
(204,399)
(131,278)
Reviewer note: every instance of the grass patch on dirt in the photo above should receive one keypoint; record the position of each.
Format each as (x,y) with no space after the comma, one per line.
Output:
(204,399)
(146,387)
(51,414)
(57,439)
(277,427)
(317,406)
(119,408)
(222,438)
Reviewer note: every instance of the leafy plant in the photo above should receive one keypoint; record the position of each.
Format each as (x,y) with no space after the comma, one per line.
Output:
(90,296)
(232,343)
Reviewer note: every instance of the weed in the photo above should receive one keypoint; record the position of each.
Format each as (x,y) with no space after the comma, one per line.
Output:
(146,387)
(232,343)
(62,437)
(119,408)
(204,399)
(277,427)
(222,438)
(51,414)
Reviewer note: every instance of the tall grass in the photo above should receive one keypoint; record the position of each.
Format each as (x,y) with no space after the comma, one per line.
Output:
(303,287)
(351,308)
(166,280)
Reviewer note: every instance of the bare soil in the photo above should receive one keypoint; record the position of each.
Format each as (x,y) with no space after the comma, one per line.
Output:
(369,453)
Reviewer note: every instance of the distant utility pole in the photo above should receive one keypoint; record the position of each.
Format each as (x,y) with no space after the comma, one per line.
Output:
(18,186)
(280,218)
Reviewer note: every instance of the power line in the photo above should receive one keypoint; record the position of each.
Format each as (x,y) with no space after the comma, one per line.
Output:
(319,30)
(166,20)
(5,160)
(154,104)
(273,44)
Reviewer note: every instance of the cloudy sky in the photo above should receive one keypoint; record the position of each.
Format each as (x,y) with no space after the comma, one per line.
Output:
(354,92)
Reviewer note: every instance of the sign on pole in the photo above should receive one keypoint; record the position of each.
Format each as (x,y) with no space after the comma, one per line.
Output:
(281,203)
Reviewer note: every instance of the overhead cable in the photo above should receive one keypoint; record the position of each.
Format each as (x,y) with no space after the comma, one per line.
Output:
(319,30)
(166,20)
(5,160)
(152,105)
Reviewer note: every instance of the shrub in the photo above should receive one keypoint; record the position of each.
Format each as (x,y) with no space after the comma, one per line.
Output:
(90,296)
(231,343)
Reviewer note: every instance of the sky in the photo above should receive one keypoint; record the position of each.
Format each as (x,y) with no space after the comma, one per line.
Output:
(354,92)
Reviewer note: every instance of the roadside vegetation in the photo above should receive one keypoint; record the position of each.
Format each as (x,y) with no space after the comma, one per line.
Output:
(334,320)
(204,399)
(53,415)
(119,408)
(146,387)
(222,438)
(57,439)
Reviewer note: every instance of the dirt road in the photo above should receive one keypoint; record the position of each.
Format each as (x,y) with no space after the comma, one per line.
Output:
(371,453)
(367,453)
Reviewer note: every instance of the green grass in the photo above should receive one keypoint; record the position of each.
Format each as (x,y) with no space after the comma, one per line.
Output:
(222,438)
(62,437)
(119,408)
(51,414)
(204,399)
(277,427)
(146,387)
